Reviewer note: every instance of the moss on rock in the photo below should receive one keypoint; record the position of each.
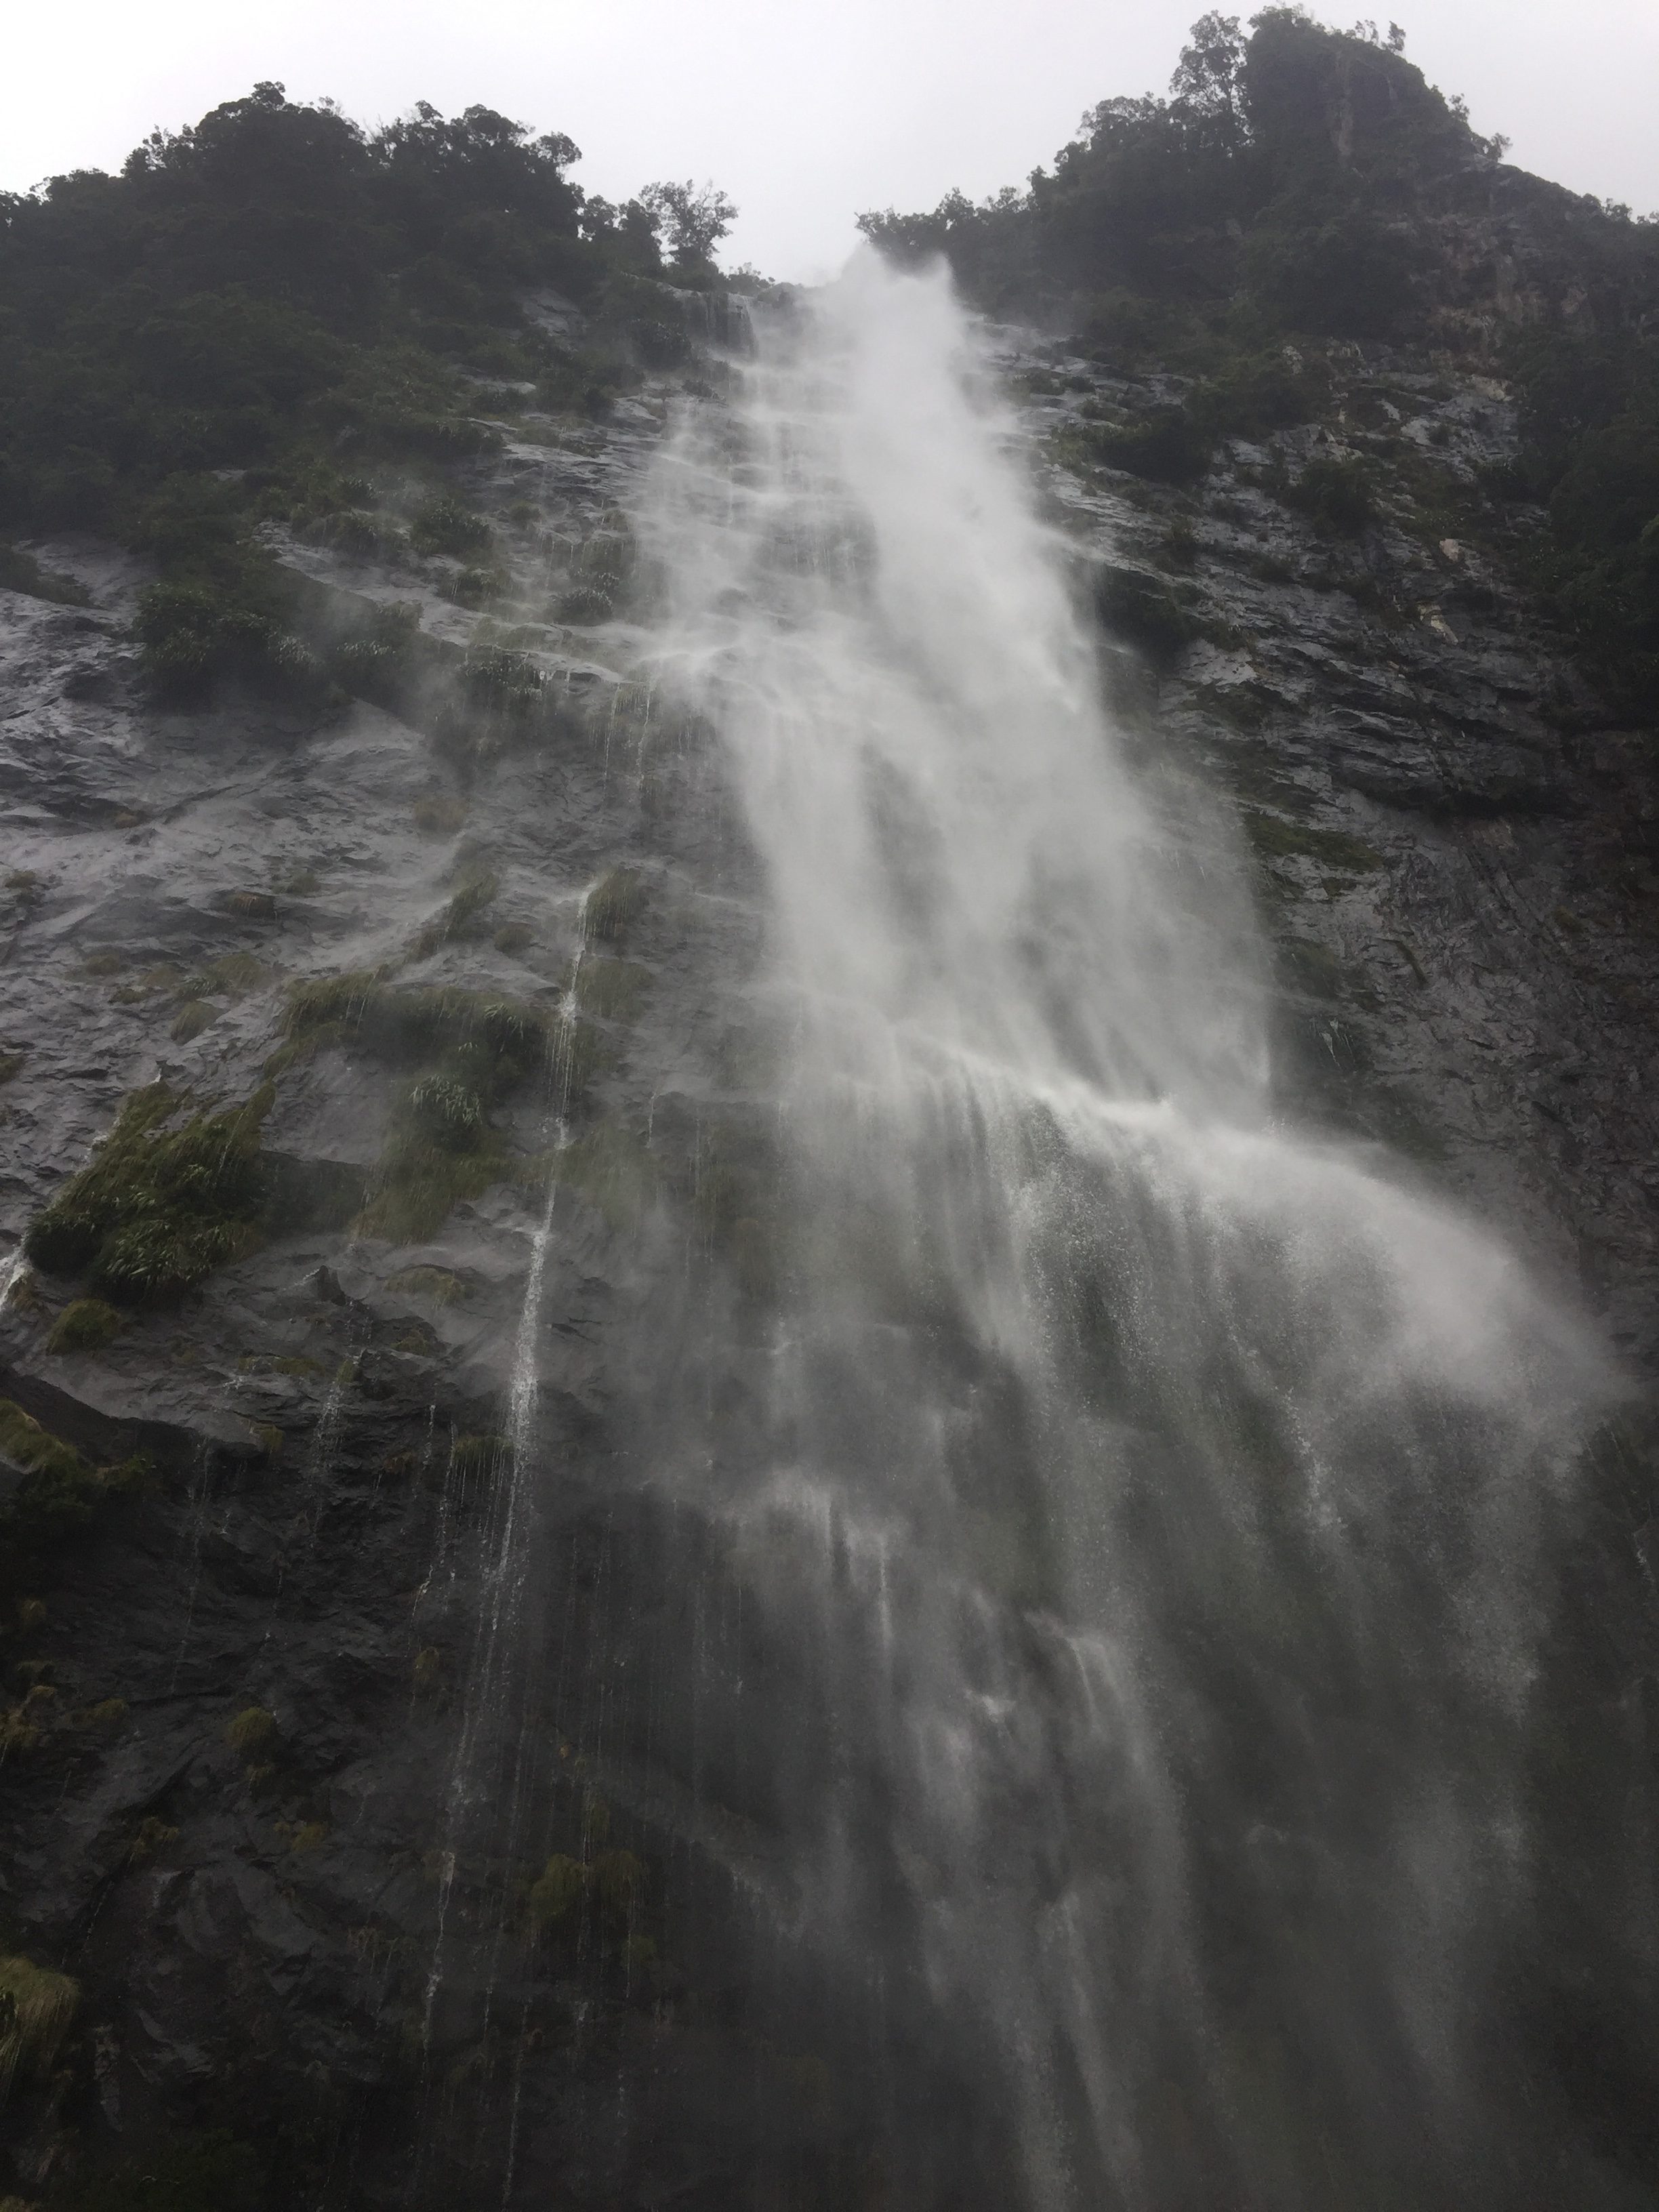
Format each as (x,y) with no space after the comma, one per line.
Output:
(162,1202)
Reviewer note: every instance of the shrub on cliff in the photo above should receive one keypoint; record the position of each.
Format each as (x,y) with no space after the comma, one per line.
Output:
(161,1203)
(1589,396)
(1335,493)
(36,2008)
(190,635)
(275,288)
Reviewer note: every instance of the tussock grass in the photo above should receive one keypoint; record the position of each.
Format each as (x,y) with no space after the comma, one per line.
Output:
(36,2008)
(162,1202)
(84,1325)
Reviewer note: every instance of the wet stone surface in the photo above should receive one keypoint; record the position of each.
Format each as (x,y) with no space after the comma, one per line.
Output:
(1456,852)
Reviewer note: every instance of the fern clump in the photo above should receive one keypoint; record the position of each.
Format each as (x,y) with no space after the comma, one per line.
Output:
(162,1203)
(472,1049)
(27,1444)
(57,1499)
(85,1325)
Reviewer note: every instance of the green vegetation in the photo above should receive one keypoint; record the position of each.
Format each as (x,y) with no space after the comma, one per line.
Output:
(1274,839)
(1238,197)
(36,2008)
(152,1835)
(438,814)
(478,1458)
(471,1051)
(360,1009)
(1590,421)
(162,1202)
(436,1283)
(1147,612)
(27,1444)
(231,976)
(478,892)
(556,1892)
(277,315)
(601,573)
(612,1882)
(444,525)
(251,1732)
(107,1713)
(191,1019)
(84,1325)
(1300,186)
(58,1497)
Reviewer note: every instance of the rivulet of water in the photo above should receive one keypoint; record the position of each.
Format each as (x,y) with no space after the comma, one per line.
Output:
(1153,1494)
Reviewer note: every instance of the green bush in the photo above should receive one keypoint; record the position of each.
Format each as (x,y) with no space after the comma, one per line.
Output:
(58,1495)
(1338,269)
(161,1204)
(36,2008)
(440,1149)
(448,1112)
(556,1892)
(1170,447)
(505,1038)
(250,1732)
(471,900)
(210,2172)
(397,401)
(193,635)
(270,284)
(84,1325)
(444,525)
(28,1445)
(419,1181)
(1249,393)
(577,383)
(1146,612)
(1335,494)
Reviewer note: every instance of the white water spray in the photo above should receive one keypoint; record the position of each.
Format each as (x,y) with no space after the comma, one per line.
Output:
(1155,1490)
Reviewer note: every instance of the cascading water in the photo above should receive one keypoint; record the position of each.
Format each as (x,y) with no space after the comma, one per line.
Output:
(1150,1495)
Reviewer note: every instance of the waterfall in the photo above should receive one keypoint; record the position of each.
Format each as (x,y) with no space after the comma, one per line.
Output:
(1152,1494)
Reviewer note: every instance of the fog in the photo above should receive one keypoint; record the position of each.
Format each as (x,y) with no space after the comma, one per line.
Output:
(804,112)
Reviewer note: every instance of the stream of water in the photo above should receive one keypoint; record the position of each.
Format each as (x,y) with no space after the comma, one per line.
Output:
(1155,1491)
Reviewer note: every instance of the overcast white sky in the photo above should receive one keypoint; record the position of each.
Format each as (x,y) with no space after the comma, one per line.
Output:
(805,110)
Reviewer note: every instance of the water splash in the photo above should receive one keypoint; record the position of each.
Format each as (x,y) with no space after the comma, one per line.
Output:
(1154,1504)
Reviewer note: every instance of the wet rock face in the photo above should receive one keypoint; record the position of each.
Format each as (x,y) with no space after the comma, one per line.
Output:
(297,1771)
(1452,829)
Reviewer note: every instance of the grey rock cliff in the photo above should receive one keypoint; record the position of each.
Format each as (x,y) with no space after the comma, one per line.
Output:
(1458,867)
